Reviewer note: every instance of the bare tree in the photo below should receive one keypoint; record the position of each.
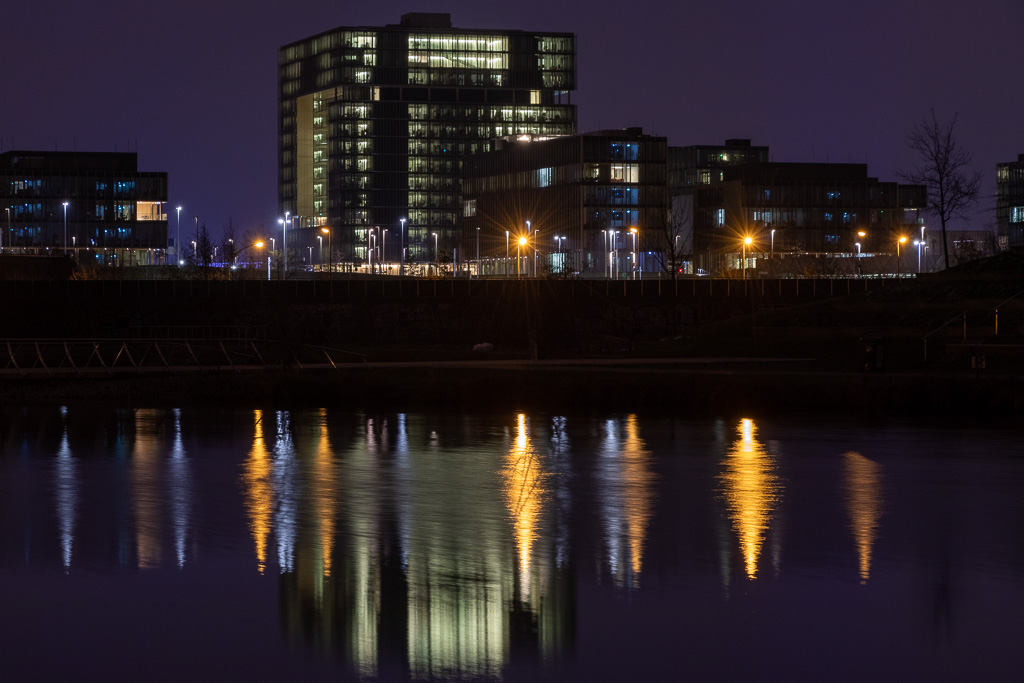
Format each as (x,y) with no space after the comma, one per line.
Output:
(227,245)
(945,169)
(670,241)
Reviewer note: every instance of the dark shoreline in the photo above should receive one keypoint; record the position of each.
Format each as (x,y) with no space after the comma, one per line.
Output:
(655,390)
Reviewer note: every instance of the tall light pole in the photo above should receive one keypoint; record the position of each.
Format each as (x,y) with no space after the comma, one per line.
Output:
(535,250)
(435,253)
(401,261)
(901,240)
(746,243)
(505,269)
(65,228)
(284,242)
(918,243)
(320,252)
(633,231)
(604,257)
(382,257)
(330,252)
(197,227)
(857,244)
(773,245)
(8,210)
(177,239)
(311,257)
(521,242)
(477,252)
(923,245)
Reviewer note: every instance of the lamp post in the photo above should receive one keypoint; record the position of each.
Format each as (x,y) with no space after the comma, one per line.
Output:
(772,256)
(311,257)
(435,252)
(196,218)
(633,232)
(319,251)
(284,241)
(918,243)
(401,261)
(177,239)
(65,228)
(505,269)
(901,240)
(746,243)
(924,246)
(330,252)
(535,250)
(520,243)
(857,244)
(382,257)
(478,252)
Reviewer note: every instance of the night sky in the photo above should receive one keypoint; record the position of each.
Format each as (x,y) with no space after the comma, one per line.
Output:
(191,85)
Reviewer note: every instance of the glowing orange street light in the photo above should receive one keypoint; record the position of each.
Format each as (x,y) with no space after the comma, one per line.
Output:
(521,243)
(330,252)
(747,241)
(901,240)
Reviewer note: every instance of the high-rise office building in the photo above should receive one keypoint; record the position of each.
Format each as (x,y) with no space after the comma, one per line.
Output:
(374,124)
(1010,203)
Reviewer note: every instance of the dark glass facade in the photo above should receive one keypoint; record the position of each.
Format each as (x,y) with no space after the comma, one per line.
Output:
(93,205)
(583,196)
(375,123)
(1010,202)
(731,192)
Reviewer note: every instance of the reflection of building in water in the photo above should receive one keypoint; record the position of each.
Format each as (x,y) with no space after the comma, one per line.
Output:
(147,485)
(751,490)
(67,492)
(626,480)
(864,505)
(422,572)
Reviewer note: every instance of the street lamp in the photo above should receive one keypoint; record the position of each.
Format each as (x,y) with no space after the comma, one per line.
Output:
(520,243)
(857,244)
(918,243)
(177,239)
(478,252)
(257,245)
(633,232)
(435,252)
(401,262)
(901,240)
(506,254)
(330,252)
(535,250)
(746,243)
(65,228)
(923,245)
(772,257)
(319,252)
(284,240)
(383,255)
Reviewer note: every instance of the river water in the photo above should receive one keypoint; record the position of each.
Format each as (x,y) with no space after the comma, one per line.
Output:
(263,544)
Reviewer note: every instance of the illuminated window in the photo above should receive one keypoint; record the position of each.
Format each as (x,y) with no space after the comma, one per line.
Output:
(469,207)
(1017,214)
(544,176)
(720,218)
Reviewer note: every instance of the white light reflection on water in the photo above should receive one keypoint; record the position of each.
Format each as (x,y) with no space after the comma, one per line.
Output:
(286,493)
(180,482)
(67,492)
(626,484)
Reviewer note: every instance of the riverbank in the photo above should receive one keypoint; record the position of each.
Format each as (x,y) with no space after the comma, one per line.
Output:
(693,388)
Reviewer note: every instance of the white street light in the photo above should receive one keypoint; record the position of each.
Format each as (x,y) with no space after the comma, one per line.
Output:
(401,258)
(177,239)
(65,228)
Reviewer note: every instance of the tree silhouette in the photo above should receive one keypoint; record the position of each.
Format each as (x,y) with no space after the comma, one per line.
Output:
(945,169)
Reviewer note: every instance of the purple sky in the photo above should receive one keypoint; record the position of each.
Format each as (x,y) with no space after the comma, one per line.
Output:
(192,84)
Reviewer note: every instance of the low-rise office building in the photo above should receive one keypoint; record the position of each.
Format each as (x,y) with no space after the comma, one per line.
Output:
(89,205)
(584,204)
(799,209)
